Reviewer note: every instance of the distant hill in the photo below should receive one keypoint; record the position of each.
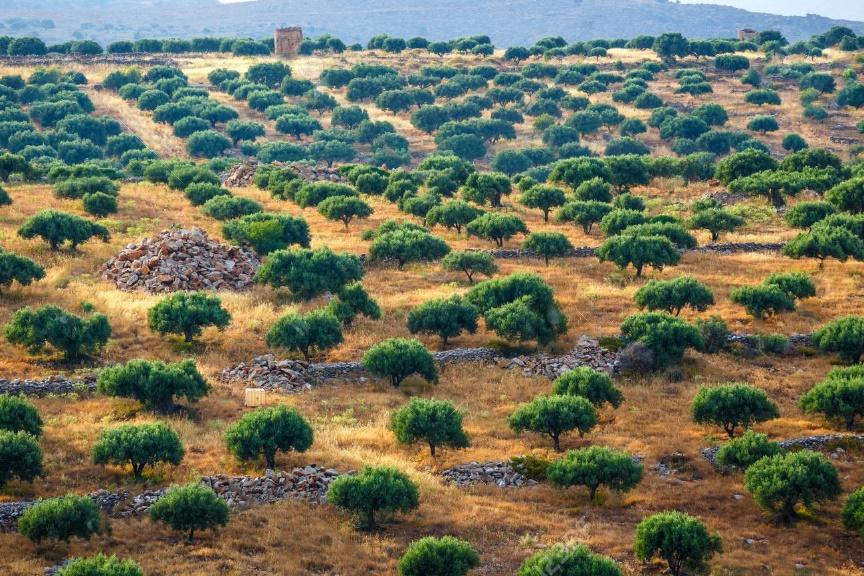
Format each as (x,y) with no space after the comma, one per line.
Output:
(508,22)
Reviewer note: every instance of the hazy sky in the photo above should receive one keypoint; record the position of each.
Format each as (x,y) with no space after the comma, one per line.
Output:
(845,9)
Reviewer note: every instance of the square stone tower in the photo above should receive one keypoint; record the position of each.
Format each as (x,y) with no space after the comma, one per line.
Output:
(287,41)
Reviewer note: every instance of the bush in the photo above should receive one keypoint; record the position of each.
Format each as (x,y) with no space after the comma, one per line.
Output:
(544,198)
(20,455)
(470,262)
(839,396)
(17,414)
(351,301)
(824,242)
(225,207)
(372,490)
(715,220)
(56,228)
(806,214)
(666,336)
(187,313)
(99,204)
(778,483)
(100,565)
(742,164)
(594,386)
(548,245)
(445,556)
(266,431)
(153,383)
(747,449)
(436,422)
(318,331)
(18,268)
(732,405)
(139,445)
(562,560)
(398,358)
(207,144)
(452,215)
(309,273)
(313,193)
(762,301)
(853,512)
(446,318)
(266,232)
(584,213)
(190,508)
(74,337)
(554,415)
(344,208)
(679,539)
(518,300)
(407,246)
(594,467)
(198,193)
(655,251)
(844,336)
(848,196)
(60,519)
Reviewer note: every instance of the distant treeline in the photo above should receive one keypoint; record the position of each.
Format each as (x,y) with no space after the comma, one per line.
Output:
(666,45)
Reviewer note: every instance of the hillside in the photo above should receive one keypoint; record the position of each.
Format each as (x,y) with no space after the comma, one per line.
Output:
(508,22)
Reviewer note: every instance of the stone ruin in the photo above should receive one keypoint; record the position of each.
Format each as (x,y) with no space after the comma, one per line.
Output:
(287,41)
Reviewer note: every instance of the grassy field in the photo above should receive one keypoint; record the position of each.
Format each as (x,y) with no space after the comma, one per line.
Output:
(350,419)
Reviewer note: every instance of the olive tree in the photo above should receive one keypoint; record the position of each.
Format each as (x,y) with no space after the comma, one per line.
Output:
(309,273)
(436,422)
(446,317)
(681,540)
(674,295)
(553,416)
(747,449)
(544,198)
(455,215)
(351,301)
(267,232)
(17,414)
(15,268)
(667,337)
(344,208)
(732,405)
(20,456)
(190,508)
(372,490)
(548,245)
(715,221)
(779,483)
(823,242)
(470,262)
(496,227)
(840,396)
(585,213)
(853,512)
(445,556)
(318,330)
(407,245)
(845,336)
(594,467)
(74,337)
(153,383)
(806,214)
(399,358)
(187,313)
(61,519)
(139,445)
(266,431)
(57,228)
(626,249)
(563,560)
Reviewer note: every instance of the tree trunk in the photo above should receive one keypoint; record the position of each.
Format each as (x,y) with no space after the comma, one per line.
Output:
(370,519)
(730,429)
(270,457)
(470,278)
(187,337)
(432,448)
(191,534)
(556,444)
(593,492)
(546,215)
(638,271)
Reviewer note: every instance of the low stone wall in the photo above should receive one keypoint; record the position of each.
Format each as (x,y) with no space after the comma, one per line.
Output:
(804,443)
(308,484)
(499,473)
(587,352)
(45,386)
(588,252)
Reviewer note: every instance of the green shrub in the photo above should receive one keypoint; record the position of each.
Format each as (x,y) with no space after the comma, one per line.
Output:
(553,416)
(187,313)
(666,336)
(714,334)
(853,512)
(471,263)
(445,556)
(309,273)
(679,539)
(496,227)
(596,387)
(626,249)
(548,245)
(17,414)
(398,358)
(407,246)
(779,483)
(60,519)
(732,405)
(267,431)
(153,383)
(444,317)
(20,456)
(747,449)
(100,565)
(228,207)
(74,337)
(839,396)
(190,508)
(373,490)
(436,422)
(844,336)
(56,228)
(267,232)
(594,467)
(138,445)
(562,560)
(673,295)
(762,301)
(198,193)
(18,268)
(351,301)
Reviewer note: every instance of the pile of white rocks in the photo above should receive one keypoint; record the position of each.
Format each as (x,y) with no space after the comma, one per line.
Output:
(308,484)
(587,352)
(239,175)
(499,473)
(56,384)
(180,259)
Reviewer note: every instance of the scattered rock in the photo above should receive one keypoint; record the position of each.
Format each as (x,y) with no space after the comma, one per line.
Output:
(240,175)
(180,259)
(499,473)
(587,352)
(676,465)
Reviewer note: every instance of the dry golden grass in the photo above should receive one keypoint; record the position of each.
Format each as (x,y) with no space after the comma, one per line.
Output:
(350,419)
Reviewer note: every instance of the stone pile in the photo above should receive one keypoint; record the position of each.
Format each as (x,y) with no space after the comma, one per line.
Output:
(587,352)
(180,259)
(239,175)
(308,484)
(499,473)
(803,443)
(316,173)
(56,384)
(298,376)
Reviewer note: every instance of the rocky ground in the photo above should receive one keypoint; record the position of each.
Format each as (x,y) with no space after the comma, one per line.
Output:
(499,473)
(180,259)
